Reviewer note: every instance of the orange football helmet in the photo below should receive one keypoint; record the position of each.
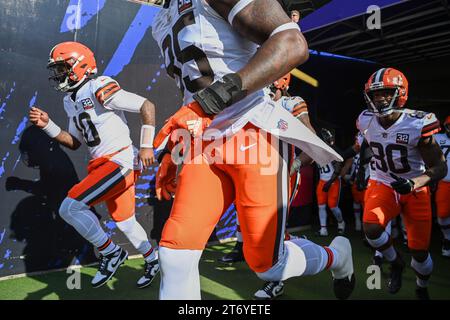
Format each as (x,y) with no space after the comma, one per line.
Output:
(70,64)
(283,82)
(386,79)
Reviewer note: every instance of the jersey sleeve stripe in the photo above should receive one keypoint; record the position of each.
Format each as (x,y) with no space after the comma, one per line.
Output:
(431,129)
(300,108)
(106,92)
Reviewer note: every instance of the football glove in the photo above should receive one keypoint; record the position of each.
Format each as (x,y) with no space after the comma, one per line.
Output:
(166,178)
(189,117)
(402,185)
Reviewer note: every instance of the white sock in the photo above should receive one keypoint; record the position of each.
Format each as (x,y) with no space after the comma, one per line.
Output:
(137,236)
(337,214)
(180,278)
(357,211)
(423,270)
(323,215)
(238,231)
(389,253)
(108,247)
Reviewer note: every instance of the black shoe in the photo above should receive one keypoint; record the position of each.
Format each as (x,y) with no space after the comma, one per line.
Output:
(395,278)
(236,255)
(422,293)
(270,291)
(343,288)
(151,269)
(108,267)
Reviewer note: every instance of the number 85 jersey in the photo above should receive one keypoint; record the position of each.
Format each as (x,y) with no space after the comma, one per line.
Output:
(395,149)
(104,131)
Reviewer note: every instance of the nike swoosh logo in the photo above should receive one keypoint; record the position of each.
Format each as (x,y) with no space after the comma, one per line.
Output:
(113,265)
(243,148)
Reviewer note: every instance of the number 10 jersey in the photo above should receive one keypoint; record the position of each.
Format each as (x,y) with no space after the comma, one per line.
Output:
(395,149)
(103,130)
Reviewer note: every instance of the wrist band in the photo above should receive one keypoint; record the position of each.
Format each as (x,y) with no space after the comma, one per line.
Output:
(52,129)
(147,136)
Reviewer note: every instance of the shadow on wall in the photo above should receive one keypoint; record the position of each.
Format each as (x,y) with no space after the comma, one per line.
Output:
(50,242)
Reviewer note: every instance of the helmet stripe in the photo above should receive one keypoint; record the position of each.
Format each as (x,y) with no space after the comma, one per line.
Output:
(379,75)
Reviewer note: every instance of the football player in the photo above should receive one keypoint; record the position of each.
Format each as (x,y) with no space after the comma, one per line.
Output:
(210,48)
(94,106)
(443,190)
(407,159)
(328,190)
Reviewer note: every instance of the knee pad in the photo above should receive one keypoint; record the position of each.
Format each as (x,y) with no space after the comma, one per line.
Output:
(69,207)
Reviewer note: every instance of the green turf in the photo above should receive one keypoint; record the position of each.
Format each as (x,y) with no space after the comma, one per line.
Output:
(221,281)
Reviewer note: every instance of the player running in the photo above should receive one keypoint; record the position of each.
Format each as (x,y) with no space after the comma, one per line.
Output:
(94,106)
(407,159)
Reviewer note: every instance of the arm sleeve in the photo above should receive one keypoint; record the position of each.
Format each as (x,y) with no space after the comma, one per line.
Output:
(125,101)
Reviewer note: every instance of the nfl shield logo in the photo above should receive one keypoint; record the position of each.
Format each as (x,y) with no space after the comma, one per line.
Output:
(282,125)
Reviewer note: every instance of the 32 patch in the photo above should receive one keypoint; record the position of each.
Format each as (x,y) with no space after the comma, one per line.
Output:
(87,104)
(402,138)
(183,5)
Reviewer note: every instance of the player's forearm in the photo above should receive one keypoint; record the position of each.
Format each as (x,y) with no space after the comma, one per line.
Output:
(148,113)
(277,56)
(435,173)
(67,140)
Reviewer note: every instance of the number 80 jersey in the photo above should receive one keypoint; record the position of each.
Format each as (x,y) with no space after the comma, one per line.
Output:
(395,149)
(103,130)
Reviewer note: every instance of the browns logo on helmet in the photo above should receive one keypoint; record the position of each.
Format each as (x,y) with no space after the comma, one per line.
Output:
(70,64)
(387,80)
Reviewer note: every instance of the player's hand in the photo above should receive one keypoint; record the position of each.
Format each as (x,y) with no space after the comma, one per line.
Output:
(147,157)
(166,178)
(38,117)
(402,185)
(190,117)
(326,187)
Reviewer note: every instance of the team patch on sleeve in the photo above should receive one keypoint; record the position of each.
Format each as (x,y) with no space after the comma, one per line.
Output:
(106,91)
(431,125)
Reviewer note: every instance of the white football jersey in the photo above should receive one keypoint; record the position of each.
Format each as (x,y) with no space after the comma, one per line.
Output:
(395,149)
(200,47)
(326,172)
(444,142)
(103,130)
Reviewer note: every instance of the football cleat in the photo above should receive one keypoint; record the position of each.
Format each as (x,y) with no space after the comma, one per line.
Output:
(151,269)
(108,267)
(446,248)
(422,293)
(271,290)
(236,255)
(323,232)
(395,278)
(341,227)
(343,274)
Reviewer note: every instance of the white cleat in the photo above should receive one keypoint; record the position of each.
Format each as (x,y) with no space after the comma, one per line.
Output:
(343,274)
(270,291)
(108,267)
(341,227)
(323,232)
